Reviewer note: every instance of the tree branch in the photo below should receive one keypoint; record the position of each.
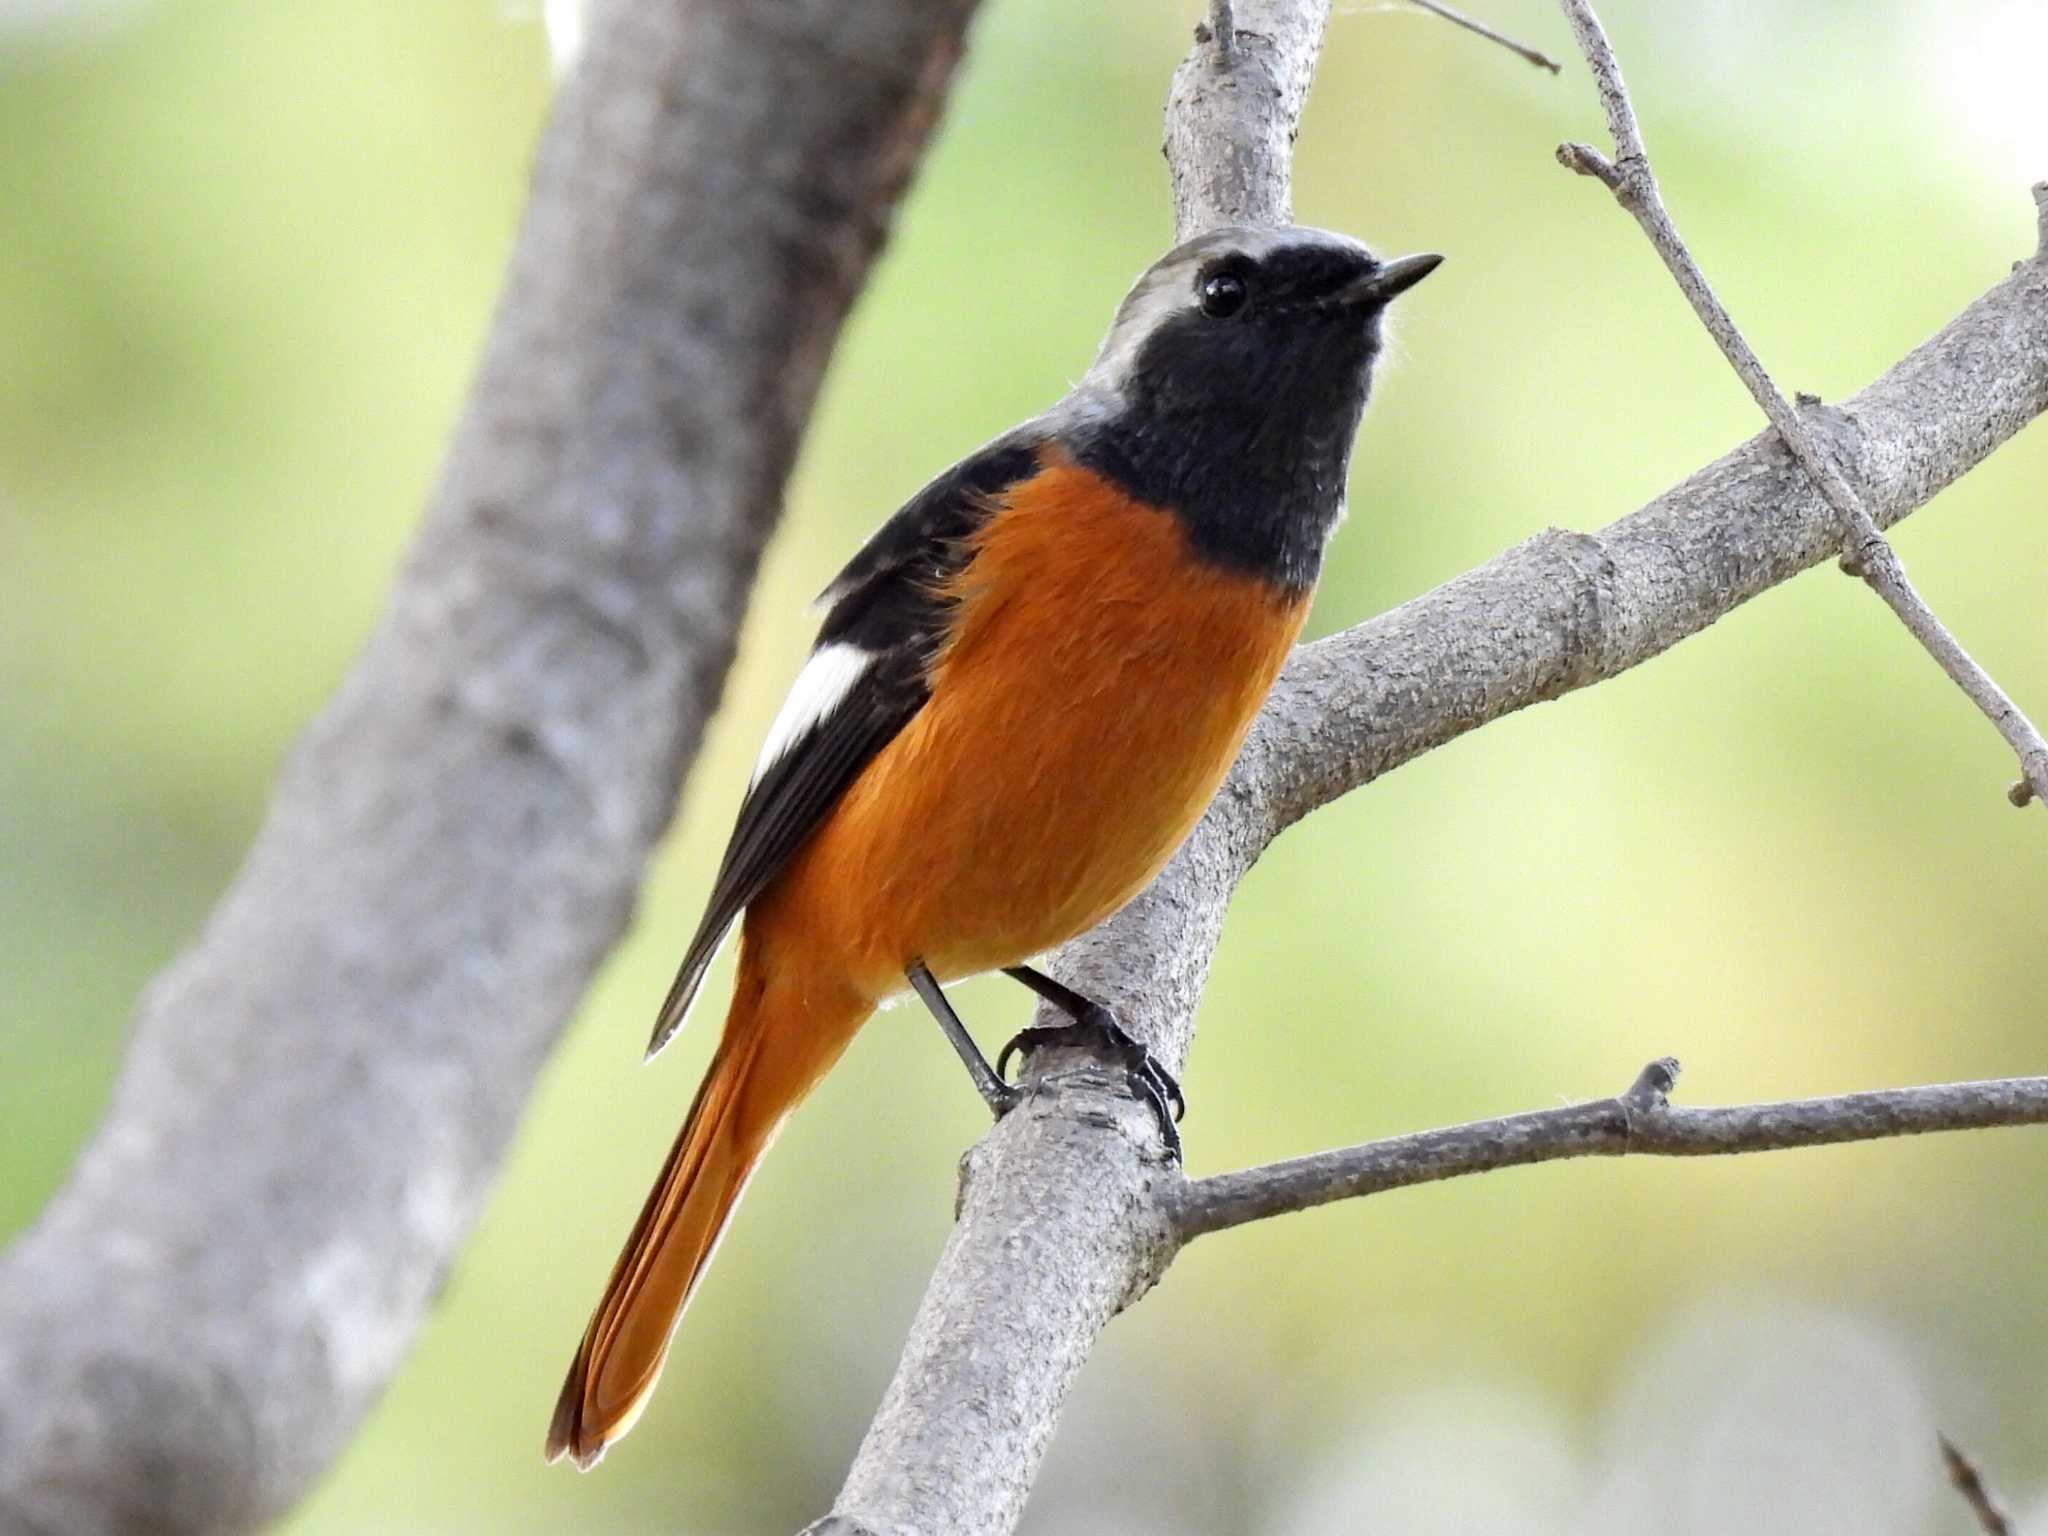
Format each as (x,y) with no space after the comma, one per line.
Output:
(1060,1226)
(1471,24)
(1640,1122)
(1565,610)
(1866,551)
(311,1111)
(1067,1207)
(1985,1507)
(1234,108)
(319,1092)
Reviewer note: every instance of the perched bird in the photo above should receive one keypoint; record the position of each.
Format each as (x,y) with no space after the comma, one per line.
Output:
(1028,685)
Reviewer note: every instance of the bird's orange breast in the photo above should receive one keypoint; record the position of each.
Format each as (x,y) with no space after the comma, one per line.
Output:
(1096,686)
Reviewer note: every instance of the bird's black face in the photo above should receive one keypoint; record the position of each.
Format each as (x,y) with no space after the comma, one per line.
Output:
(1234,377)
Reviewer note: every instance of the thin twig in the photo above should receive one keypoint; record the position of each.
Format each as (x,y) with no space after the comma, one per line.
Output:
(1006,1325)
(1866,552)
(1638,1122)
(1521,50)
(1068,1212)
(1991,1515)
(1566,610)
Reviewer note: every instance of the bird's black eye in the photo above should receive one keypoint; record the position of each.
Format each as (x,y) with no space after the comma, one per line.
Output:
(1223,295)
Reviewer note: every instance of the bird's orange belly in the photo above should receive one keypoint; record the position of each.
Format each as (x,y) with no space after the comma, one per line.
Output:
(1098,686)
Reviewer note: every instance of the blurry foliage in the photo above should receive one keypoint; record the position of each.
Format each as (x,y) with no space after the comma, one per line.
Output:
(250,252)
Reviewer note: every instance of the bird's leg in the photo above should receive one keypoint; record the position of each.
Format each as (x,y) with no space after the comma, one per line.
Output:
(1095,1024)
(998,1095)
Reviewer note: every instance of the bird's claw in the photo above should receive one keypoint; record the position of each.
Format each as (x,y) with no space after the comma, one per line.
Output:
(1098,1030)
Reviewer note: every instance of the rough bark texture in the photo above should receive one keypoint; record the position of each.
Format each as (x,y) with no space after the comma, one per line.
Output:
(318,1094)
(1061,1225)
(1567,609)
(1235,109)
(1068,1209)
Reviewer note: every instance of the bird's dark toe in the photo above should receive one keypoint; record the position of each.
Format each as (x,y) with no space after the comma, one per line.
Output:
(1097,1030)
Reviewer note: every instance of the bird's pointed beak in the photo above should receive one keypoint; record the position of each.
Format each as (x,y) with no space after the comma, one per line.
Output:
(1396,277)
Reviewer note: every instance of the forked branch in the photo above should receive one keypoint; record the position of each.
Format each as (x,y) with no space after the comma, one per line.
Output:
(1068,1211)
(1865,550)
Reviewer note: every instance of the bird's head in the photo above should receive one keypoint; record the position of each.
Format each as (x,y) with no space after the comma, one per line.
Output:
(1232,380)
(1251,311)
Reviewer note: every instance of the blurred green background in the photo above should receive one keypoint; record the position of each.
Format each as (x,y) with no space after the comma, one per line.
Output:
(249,253)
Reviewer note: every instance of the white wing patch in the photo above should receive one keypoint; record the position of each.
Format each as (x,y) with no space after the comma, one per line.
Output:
(826,679)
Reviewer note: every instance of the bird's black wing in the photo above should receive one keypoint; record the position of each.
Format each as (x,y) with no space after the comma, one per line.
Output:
(865,680)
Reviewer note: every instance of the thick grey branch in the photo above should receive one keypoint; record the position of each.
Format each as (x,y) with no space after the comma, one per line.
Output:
(1060,1225)
(1565,609)
(1061,1218)
(1866,551)
(319,1092)
(1640,1122)
(1235,108)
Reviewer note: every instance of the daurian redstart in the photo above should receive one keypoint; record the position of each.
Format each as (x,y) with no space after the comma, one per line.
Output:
(1028,685)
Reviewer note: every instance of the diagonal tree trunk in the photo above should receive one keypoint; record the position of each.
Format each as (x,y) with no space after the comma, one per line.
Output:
(318,1095)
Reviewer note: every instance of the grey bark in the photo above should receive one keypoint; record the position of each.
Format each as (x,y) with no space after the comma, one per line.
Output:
(1865,550)
(318,1094)
(1062,1199)
(1566,609)
(1641,1122)
(1068,1211)
(1235,108)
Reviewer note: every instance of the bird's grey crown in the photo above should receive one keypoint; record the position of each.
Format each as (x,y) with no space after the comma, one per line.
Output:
(1167,287)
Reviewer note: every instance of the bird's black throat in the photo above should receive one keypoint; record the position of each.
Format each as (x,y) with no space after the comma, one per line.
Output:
(1248,443)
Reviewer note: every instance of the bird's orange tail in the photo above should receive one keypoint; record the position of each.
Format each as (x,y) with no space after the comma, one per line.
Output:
(769,1058)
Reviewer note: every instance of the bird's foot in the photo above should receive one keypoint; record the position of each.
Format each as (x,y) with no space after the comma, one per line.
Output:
(1001,1097)
(1095,1028)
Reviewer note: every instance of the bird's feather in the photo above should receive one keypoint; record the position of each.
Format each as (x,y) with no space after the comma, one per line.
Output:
(867,678)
